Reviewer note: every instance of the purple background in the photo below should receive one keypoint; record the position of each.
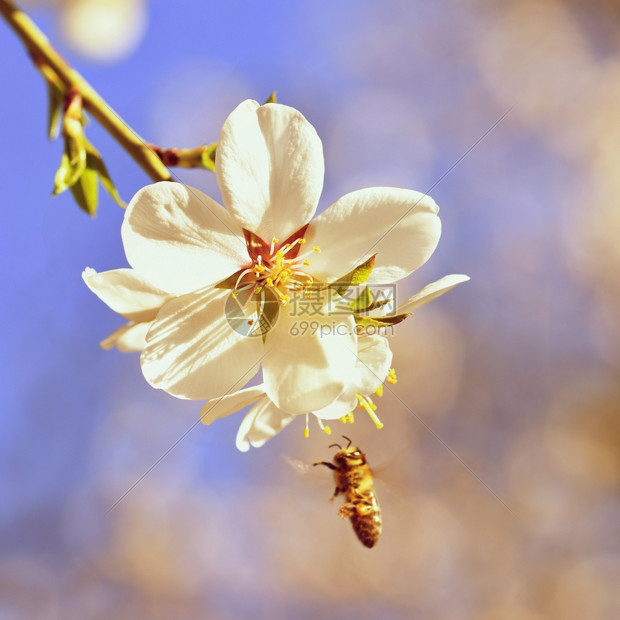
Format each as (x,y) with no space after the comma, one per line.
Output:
(517,370)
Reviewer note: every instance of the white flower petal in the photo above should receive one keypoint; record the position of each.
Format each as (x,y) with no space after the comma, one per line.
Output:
(263,422)
(126,292)
(373,363)
(431,291)
(192,352)
(306,371)
(269,168)
(130,337)
(401,226)
(374,358)
(230,403)
(180,239)
(344,404)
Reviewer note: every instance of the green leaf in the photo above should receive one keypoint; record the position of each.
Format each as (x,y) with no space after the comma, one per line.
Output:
(64,177)
(73,161)
(80,169)
(379,303)
(55,104)
(363,301)
(85,191)
(72,164)
(365,321)
(359,275)
(81,165)
(72,128)
(208,156)
(95,162)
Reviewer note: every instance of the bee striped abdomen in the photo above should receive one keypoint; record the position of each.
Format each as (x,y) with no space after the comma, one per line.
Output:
(366,519)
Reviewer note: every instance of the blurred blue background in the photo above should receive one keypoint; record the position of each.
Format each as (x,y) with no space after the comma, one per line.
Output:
(114,502)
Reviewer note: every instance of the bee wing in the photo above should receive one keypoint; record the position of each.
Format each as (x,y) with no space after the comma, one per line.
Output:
(394,474)
(317,475)
(300,467)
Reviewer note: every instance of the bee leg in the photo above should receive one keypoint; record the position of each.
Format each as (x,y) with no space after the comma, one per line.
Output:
(330,465)
(347,510)
(337,492)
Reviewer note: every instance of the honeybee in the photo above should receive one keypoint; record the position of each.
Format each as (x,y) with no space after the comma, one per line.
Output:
(353,478)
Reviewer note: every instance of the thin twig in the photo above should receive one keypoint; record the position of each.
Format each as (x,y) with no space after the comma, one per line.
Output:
(44,54)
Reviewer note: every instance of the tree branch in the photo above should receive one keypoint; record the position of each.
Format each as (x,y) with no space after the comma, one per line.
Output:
(44,55)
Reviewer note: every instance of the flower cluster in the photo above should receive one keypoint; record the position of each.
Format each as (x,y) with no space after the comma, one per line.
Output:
(210,290)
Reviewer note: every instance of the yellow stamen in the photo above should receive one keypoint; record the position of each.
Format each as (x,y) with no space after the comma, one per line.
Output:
(365,402)
(379,391)
(307,429)
(368,405)
(391,376)
(324,427)
(276,270)
(316,248)
(284,276)
(289,246)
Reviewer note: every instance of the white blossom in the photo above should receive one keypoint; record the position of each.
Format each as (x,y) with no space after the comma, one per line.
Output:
(188,254)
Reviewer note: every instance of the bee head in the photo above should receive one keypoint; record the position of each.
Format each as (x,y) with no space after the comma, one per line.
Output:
(351,456)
